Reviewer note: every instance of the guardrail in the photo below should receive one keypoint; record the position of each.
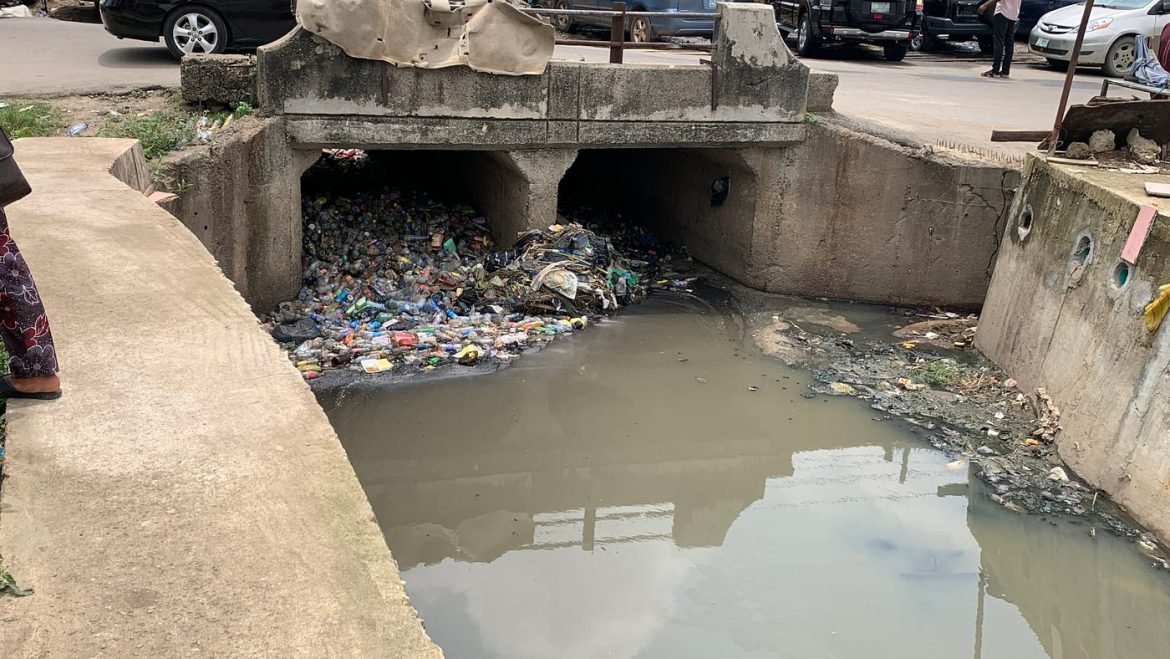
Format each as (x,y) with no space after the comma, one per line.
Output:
(617,29)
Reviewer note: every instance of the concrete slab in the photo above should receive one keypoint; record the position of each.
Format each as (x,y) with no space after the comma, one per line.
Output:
(187,494)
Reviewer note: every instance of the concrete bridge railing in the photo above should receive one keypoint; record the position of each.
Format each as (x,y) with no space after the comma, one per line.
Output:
(752,93)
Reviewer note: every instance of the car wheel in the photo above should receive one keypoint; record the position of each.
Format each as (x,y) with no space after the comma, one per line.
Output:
(640,29)
(806,43)
(924,41)
(895,52)
(195,30)
(986,45)
(564,22)
(1057,65)
(1120,58)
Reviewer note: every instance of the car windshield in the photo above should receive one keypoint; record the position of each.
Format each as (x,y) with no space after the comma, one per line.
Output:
(1121,4)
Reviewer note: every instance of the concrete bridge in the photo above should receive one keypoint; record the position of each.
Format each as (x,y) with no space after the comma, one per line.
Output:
(813,209)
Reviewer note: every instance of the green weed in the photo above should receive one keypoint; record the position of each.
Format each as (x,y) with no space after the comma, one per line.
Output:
(942,373)
(160,132)
(29,119)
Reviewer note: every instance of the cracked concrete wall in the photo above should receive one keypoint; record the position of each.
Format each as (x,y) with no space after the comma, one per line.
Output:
(1051,321)
(850,216)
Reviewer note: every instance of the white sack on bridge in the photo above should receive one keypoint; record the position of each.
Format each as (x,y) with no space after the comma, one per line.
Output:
(490,37)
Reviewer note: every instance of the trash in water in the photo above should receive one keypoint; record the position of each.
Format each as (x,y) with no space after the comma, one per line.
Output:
(376,365)
(842,388)
(957,464)
(401,279)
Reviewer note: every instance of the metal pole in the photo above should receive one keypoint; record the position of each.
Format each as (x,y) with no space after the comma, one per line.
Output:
(1068,78)
(617,32)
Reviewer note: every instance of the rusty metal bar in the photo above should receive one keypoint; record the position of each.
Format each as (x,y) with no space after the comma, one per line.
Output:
(1068,78)
(617,32)
(714,67)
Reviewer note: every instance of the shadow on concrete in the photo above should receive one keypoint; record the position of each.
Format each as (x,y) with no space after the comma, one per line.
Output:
(138,57)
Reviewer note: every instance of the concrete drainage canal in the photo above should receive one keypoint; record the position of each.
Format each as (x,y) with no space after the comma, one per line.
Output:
(663,484)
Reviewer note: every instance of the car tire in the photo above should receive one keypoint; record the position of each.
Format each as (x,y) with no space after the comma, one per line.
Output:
(895,52)
(641,30)
(1121,57)
(807,43)
(1057,65)
(986,45)
(564,22)
(194,30)
(924,41)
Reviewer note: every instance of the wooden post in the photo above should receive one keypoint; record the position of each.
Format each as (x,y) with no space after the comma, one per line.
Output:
(1068,78)
(617,32)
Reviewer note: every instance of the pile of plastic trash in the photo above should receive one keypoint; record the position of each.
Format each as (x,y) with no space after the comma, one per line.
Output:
(400,283)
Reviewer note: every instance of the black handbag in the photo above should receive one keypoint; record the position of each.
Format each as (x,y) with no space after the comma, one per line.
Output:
(13,184)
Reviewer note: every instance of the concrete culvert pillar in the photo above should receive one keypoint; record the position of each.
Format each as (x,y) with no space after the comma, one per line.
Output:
(516,190)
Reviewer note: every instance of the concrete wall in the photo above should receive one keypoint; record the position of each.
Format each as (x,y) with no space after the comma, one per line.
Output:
(842,215)
(241,198)
(1051,321)
(754,94)
(860,218)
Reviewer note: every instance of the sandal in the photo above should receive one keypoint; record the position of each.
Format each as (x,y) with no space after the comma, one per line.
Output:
(9,391)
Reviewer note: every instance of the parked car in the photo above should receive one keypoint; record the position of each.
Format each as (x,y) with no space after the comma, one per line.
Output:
(640,28)
(888,23)
(1032,10)
(1110,38)
(953,20)
(199,26)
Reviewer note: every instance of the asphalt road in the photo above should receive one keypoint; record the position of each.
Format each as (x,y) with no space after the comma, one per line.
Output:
(932,99)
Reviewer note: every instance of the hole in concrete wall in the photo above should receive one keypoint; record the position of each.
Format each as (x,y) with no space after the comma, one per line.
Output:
(1120,276)
(720,188)
(1024,223)
(1082,250)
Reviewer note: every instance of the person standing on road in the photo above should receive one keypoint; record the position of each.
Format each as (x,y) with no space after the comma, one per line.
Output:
(1003,27)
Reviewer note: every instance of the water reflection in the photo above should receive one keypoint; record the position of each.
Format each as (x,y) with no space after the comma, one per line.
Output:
(625,494)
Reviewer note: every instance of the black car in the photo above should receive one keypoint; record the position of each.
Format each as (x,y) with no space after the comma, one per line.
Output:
(888,23)
(954,20)
(203,26)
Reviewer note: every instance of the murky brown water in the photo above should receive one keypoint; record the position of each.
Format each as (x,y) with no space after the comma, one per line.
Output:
(599,499)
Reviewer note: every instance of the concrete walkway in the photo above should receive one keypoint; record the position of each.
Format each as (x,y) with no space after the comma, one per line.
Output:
(187,495)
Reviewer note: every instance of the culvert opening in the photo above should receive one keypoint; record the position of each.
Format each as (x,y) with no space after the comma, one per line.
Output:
(1082,250)
(1120,276)
(422,260)
(1024,223)
(701,201)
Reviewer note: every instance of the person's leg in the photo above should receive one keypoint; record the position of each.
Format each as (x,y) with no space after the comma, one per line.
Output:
(997,29)
(23,324)
(1009,46)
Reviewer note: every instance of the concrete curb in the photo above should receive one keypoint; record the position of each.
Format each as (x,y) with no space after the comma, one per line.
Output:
(187,494)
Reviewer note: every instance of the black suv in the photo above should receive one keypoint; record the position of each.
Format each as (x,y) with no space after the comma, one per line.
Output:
(888,23)
(954,20)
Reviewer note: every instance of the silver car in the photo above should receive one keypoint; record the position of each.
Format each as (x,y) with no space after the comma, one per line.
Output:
(1110,38)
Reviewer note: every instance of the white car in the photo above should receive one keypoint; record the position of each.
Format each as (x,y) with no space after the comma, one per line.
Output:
(1110,38)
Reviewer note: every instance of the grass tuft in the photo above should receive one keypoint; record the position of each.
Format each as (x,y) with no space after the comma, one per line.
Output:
(29,119)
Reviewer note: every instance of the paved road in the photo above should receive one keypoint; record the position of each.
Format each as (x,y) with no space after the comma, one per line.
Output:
(933,99)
